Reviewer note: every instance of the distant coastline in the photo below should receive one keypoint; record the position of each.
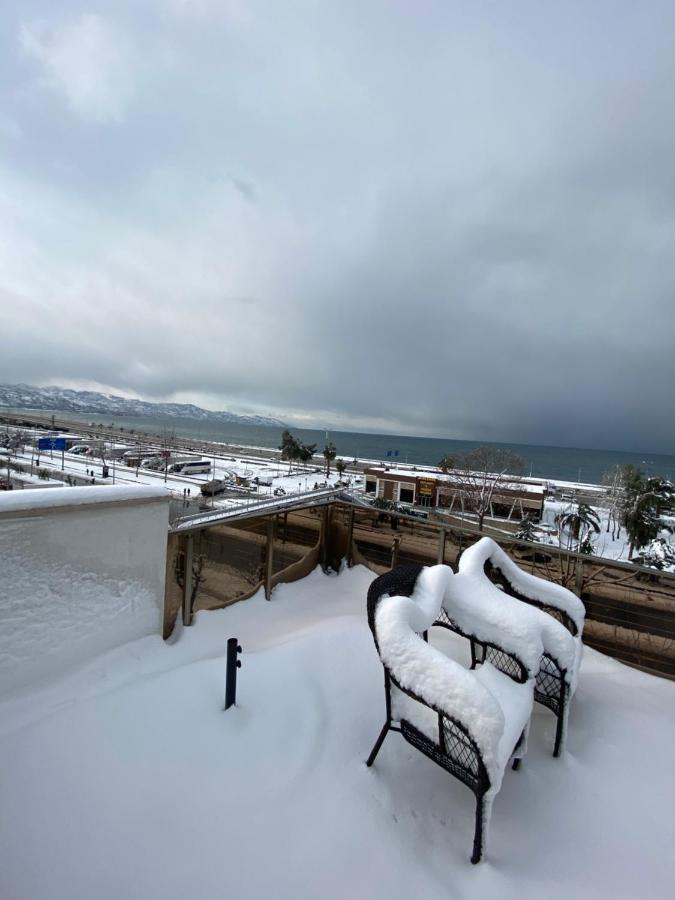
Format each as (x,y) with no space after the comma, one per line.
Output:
(555,463)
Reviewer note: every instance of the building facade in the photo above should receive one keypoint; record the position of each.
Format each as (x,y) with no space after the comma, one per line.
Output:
(512,500)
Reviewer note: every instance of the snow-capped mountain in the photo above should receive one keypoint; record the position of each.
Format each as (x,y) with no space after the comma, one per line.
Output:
(24,396)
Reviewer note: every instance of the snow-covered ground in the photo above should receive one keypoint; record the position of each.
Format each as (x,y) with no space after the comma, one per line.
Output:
(125,779)
(300,478)
(612,544)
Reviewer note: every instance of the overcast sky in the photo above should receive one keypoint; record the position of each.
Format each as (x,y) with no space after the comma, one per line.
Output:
(454,219)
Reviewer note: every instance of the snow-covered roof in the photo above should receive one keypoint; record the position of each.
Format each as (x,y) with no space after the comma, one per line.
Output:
(24,501)
(530,487)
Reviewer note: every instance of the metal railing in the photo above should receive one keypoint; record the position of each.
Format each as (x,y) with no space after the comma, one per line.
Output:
(256,506)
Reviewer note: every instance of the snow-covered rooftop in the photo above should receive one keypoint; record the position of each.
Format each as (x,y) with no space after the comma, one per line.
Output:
(124,778)
(391,471)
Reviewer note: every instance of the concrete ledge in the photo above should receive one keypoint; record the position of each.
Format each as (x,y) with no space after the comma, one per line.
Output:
(43,500)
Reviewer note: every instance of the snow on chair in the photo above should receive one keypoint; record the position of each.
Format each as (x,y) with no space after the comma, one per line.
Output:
(469,722)
(557,612)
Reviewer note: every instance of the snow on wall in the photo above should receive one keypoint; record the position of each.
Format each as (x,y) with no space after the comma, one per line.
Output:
(79,579)
(80,496)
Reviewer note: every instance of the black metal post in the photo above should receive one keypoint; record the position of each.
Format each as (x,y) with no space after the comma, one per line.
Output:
(233,648)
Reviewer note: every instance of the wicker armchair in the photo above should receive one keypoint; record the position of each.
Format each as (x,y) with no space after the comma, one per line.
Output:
(558,668)
(472,723)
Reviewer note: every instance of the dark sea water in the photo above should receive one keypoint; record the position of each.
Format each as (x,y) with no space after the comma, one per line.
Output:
(561,463)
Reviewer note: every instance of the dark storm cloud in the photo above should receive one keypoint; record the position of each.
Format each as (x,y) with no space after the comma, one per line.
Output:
(433,220)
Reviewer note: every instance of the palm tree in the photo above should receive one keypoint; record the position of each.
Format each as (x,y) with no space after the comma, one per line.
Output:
(306,452)
(290,448)
(329,454)
(579,523)
(341,466)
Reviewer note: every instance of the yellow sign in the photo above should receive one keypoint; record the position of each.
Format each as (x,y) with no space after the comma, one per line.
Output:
(427,486)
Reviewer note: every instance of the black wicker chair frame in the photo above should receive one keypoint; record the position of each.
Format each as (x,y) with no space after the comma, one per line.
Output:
(551,687)
(495,574)
(455,751)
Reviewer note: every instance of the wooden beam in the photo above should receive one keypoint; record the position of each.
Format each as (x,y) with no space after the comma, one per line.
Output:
(269,559)
(440,556)
(187,587)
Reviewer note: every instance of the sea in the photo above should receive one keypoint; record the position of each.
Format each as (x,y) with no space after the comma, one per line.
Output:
(556,463)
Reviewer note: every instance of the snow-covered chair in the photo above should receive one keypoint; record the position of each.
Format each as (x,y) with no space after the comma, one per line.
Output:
(555,613)
(469,722)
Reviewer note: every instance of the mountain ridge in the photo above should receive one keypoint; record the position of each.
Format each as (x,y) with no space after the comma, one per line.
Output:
(25,396)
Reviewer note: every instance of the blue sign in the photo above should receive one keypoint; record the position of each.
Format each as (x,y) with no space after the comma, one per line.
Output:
(52,443)
(392,452)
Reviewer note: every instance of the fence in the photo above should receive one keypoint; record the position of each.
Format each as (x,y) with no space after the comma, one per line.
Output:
(227,562)
(630,611)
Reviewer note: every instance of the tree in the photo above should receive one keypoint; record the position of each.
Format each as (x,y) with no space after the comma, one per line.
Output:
(643,502)
(663,492)
(527,530)
(293,450)
(479,474)
(658,554)
(341,467)
(580,524)
(613,479)
(329,454)
(306,452)
(289,447)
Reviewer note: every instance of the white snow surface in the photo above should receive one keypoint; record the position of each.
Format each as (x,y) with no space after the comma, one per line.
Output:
(124,777)
(472,562)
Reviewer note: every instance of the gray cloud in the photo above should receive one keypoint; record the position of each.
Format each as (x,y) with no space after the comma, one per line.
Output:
(440,223)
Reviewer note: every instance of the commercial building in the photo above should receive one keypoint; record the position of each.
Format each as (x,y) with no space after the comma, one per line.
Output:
(512,499)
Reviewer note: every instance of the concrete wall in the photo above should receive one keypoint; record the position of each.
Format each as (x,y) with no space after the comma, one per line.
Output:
(81,571)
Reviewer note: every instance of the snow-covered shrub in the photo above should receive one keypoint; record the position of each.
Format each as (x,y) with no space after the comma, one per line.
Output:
(527,530)
(658,554)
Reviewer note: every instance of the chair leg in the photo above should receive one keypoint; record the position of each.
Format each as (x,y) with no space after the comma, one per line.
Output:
(561,728)
(478,833)
(378,743)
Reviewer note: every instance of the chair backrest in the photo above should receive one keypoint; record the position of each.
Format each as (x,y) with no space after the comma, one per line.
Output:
(541,600)
(398,582)
(487,557)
